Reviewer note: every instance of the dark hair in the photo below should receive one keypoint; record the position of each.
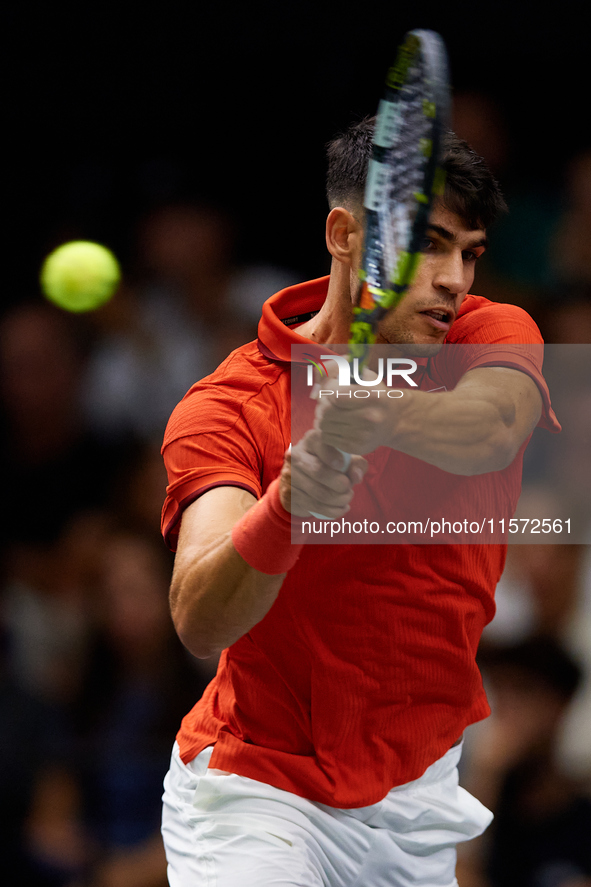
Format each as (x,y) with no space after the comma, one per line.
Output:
(471,191)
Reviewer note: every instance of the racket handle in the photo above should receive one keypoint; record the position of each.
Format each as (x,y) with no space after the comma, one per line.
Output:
(347,459)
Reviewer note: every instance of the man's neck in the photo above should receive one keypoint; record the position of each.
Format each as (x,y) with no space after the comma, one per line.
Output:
(332,323)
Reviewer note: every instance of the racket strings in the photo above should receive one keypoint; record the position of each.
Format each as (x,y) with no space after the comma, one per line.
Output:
(407,159)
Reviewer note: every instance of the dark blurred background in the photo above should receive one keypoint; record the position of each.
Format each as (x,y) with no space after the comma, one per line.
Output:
(111,107)
(190,139)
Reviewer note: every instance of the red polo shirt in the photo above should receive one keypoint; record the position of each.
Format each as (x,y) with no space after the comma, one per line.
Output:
(363,672)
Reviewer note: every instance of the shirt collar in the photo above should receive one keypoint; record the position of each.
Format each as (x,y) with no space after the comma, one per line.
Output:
(283,312)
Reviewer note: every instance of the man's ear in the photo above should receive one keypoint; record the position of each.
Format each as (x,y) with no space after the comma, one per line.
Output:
(344,236)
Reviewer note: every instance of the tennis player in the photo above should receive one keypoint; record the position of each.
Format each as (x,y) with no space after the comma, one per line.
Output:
(325,750)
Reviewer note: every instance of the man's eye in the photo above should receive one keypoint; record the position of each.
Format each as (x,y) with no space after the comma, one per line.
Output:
(471,255)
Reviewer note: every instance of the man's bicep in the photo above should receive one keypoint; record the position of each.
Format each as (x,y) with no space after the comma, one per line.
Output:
(514,393)
(204,536)
(210,518)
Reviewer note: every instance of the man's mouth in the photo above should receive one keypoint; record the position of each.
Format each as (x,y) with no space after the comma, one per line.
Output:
(439,318)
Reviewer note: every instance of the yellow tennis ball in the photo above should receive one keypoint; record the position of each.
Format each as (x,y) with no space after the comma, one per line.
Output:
(80,275)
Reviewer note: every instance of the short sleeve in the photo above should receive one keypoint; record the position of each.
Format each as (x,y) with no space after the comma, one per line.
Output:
(200,462)
(499,335)
(220,435)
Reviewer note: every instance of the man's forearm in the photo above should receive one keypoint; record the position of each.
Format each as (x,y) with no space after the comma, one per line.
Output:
(216,596)
(477,427)
(459,434)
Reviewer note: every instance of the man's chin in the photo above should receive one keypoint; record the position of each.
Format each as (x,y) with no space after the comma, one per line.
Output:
(415,343)
(419,349)
(429,349)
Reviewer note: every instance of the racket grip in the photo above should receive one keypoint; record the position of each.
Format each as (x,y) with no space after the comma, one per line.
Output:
(347,460)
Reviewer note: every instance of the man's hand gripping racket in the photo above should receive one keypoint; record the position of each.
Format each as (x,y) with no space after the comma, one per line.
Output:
(403,179)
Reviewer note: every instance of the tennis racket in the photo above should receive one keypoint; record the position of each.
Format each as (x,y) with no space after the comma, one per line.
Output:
(403,179)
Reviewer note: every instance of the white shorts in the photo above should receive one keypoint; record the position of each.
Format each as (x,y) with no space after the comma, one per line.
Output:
(225,830)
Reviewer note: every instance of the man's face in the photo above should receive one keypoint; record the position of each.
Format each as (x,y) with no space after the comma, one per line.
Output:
(445,275)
